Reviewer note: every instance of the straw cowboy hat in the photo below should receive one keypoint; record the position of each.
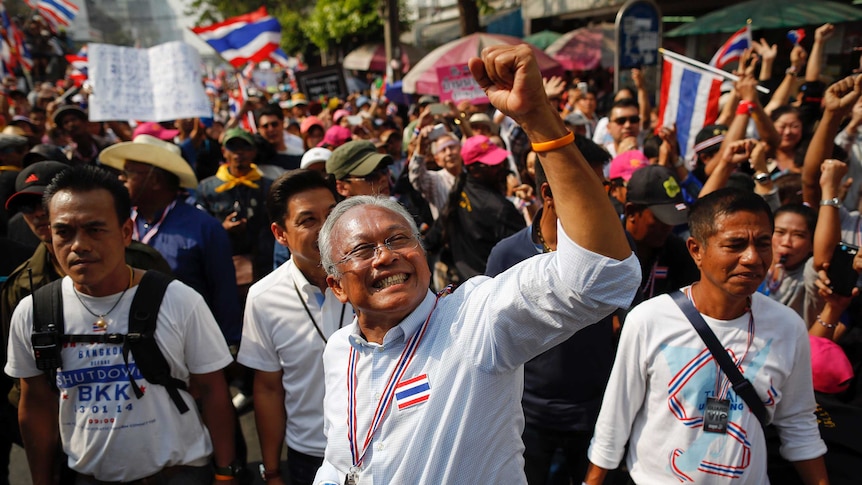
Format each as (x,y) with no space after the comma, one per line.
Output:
(150,150)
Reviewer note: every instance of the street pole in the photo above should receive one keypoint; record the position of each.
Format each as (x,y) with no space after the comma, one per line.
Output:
(390,40)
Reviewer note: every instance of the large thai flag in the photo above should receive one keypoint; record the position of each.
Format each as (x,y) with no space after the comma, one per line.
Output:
(731,51)
(689,99)
(57,12)
(248,38)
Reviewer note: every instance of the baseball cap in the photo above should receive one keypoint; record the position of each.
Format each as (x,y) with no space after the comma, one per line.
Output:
(8,140)
(831,370)
(657,188)
(625,164)
(480,149)
(359,157)
(237,134)
(708,137)
(314,155)
(336,136)
(339,113)
(362,101)
(33,180)
(69,109)
(44,151)
(156,130)
(299,99)
(308,122)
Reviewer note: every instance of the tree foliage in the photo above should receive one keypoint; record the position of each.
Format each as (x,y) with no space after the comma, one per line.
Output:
(333,21)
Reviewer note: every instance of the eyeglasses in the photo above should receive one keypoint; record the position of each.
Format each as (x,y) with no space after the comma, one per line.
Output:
(631,119)
(361,256)
(270,125)
(371,177)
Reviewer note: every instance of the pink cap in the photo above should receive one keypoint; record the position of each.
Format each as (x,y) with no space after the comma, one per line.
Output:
(625,164)
(480,149)
(830,368)
(339,113)
(308,122)
(335,137)
(155,130)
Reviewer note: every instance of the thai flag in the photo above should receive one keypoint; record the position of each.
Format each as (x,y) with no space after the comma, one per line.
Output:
(412,391)
(79,63)
(250,37)
(732,49)
(689,99)
(57,12)
(14,49)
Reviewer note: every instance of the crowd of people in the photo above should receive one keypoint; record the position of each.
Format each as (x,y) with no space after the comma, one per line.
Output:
(437,293)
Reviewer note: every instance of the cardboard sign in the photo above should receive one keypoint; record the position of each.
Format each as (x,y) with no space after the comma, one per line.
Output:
(157,84)
(457,84)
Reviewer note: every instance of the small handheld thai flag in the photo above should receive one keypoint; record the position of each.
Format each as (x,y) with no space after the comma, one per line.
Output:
(796,36)
(412,391)
(732,49)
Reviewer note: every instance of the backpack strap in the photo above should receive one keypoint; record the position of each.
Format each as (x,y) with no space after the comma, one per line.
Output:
(141,339)
(48,307)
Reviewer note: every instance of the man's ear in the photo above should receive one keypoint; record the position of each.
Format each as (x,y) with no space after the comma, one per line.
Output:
(279,233)
(545,193)
(341,188)
(695,249)
(630,209)
(126,230)
(335,285)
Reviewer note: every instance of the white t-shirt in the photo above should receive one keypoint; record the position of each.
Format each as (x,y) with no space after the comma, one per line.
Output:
(278,334)
(106,431)
(662,376)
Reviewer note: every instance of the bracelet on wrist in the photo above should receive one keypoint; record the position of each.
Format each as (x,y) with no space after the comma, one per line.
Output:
(745,107)
(546,146)
(827,325)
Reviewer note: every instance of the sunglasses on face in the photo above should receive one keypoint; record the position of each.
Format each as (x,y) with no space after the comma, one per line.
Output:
(274,124)
(631,119)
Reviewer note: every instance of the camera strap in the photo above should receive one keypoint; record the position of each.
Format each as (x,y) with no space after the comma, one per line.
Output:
(741,386)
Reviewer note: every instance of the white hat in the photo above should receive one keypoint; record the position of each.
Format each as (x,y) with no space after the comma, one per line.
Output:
(152,151)
(313,156)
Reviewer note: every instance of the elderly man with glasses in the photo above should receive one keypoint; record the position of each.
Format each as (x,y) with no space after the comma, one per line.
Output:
(426,389)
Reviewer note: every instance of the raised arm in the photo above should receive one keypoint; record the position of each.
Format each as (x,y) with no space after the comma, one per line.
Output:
(838,100)
(643,98)
(815,61)
(827,233)
(511,80)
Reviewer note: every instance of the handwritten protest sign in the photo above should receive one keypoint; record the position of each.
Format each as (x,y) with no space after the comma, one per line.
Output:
(457,84)
(156,84)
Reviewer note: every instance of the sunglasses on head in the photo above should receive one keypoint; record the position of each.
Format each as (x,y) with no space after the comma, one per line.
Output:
(631,119)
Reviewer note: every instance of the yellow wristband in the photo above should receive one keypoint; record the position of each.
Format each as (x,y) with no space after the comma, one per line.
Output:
(223,478)
(546,146)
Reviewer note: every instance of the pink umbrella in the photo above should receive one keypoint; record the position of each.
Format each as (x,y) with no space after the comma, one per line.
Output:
(372,57)
(585,48)
(422,79)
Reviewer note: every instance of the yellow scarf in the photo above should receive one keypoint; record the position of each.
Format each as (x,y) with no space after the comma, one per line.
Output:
(231,181)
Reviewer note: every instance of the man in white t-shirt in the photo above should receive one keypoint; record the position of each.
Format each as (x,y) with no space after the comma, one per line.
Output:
(289,316)
(109,433)
(664,376)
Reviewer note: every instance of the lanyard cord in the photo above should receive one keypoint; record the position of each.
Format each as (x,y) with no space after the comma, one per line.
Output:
(153,230)
(722,383)
(311,317)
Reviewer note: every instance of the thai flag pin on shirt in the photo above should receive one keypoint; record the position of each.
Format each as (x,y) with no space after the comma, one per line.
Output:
(412,391)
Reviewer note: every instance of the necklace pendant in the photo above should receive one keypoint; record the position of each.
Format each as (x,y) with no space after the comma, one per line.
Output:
(101,323)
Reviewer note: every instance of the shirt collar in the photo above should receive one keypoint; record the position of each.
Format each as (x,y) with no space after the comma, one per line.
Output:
(401,332)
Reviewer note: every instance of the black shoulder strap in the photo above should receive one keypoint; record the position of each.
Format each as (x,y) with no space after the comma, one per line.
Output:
(741,385)
(141,339)
(48,307)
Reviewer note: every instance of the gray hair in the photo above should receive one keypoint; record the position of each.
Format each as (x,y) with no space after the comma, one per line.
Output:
(324,240)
